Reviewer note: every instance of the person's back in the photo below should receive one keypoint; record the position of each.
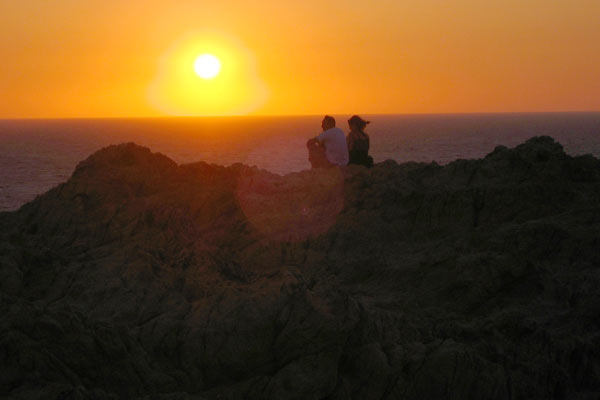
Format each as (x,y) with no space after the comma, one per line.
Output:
(336,148)
(358,142)
(330,147)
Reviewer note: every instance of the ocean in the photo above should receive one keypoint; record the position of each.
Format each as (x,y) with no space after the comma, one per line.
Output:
(36,155)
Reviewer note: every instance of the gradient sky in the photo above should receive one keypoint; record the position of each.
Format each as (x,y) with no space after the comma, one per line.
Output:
(92,58)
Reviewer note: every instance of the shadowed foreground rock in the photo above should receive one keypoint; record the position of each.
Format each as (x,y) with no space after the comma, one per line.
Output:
(139,278)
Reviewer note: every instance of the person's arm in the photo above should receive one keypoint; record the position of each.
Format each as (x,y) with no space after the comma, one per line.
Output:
(319,140)
(350,141)
(322,138)
(312,141)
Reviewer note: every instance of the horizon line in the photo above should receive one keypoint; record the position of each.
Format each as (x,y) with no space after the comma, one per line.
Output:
(295,115)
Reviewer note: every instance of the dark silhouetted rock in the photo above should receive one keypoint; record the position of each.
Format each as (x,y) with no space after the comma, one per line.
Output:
(141,278)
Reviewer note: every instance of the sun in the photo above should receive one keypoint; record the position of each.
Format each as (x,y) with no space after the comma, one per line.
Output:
(207,66)
(207,74)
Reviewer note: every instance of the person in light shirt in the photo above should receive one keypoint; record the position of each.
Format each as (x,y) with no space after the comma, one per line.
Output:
(329,149)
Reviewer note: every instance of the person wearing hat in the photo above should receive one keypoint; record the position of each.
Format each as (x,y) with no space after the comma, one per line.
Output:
(358,142)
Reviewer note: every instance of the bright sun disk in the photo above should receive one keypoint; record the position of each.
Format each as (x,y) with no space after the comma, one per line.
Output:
(207,66)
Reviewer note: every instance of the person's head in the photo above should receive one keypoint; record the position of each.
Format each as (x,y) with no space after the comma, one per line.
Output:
(328,122)
(356,122)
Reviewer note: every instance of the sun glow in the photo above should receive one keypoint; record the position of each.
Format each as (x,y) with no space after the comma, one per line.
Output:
(229,84)
(207,66)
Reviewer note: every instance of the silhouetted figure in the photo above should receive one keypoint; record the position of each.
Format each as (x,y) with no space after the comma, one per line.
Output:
(358,142)
(329,148)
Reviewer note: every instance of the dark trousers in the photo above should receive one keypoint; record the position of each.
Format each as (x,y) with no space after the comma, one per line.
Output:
(361,158)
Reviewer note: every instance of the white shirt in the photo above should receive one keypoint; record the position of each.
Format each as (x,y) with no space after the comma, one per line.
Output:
(336,149)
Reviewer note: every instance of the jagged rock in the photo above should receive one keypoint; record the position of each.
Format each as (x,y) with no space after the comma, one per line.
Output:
(141,278)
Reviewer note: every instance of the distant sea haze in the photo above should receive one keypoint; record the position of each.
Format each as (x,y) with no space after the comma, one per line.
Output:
(36,155)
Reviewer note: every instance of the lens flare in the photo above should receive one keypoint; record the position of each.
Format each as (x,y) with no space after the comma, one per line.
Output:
(294,208)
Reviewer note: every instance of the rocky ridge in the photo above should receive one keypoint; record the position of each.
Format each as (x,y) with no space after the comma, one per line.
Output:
(141,278)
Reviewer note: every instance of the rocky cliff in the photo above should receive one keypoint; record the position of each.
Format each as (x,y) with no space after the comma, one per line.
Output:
(141,278)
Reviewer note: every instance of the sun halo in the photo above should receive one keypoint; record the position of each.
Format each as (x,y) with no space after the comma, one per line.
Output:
(177,89)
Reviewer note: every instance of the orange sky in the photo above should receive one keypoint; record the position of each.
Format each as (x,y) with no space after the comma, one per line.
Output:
(73,58)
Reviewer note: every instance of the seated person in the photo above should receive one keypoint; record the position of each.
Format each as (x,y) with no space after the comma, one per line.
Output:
(329,148)
(358,142)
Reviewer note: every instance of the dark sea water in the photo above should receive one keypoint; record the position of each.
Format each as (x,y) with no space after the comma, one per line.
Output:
(36,155)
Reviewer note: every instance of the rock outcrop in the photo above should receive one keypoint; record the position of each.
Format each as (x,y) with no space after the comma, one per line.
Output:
(141,278)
